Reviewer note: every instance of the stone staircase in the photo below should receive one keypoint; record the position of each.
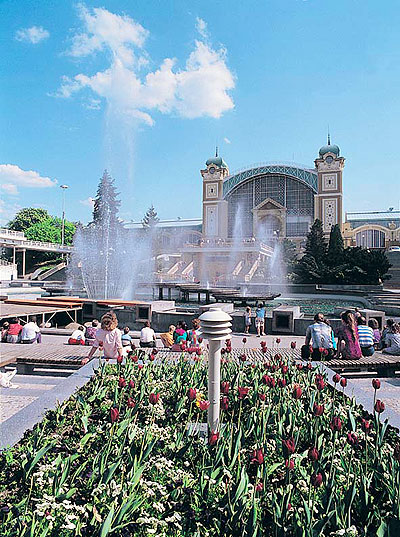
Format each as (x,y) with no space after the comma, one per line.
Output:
(386,300)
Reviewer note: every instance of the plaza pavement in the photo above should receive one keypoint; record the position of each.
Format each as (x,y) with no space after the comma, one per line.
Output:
(40,391)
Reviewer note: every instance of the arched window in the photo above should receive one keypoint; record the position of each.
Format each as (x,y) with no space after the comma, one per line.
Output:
(370,238)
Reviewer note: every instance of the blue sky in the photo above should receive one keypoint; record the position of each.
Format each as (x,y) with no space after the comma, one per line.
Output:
(145,89)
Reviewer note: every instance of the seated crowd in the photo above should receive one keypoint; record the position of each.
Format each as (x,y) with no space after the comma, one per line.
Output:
(14,332)
(355,338)
(116,342)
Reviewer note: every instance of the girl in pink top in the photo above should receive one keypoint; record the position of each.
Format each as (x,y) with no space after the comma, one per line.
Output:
(108,337)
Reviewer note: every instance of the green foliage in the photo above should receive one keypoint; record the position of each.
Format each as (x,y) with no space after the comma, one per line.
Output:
(25,218)
(144,472)
(150,219)
(337,264)
(316,243)
(50,230)
(106,203)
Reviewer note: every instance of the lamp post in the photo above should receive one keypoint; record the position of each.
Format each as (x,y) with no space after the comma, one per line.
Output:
(64,188)
(215,326)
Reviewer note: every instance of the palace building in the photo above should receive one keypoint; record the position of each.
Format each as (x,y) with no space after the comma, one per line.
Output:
(247,212)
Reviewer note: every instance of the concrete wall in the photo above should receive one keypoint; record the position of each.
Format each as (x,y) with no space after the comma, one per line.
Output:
(8,272)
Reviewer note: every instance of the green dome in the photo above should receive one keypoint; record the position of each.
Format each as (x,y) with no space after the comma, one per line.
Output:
(329,148)
(217,161)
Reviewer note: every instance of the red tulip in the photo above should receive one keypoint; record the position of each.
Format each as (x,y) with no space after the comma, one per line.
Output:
(261,396)
(152,357)
(200,340)
(114,414)
(336,424)
(225,388)
(225,403)
(343,382)
(316,479)
(155,352)
(309,366)
(288,447)
(243,357)
(198,351)
(376,383)
(278,340)
(244,340)
(293,344)
(313,454)
(263,343)
(257,456)
(154,398)
(336,378)
(213,438)
(289,463)
(299,367)
(396,452)
(352,439)
(366,425)
(242,392)
(318,410)
(140,366)
(379,406)
(132,384)
(297,391)
(131,402)
(191,394)
(259,486)
(203,405)
(135,358)
(281,383)
(119,359)
(223,351)
(121,382)
(264,350)
(320,383)
(284,369)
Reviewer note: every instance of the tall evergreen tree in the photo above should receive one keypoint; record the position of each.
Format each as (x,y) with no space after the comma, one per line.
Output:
(150,219)
(316,243)
(106,203)
(335,246)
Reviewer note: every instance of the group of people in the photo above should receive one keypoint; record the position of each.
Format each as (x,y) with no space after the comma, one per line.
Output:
(259,319)
(84,335)
(355,338)
(180,335)
(14,332)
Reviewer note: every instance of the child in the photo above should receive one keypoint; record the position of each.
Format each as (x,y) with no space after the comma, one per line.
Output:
(247,319)
(126,338)
(77,336)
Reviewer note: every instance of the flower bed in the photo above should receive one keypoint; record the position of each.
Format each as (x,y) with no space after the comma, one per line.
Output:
(293,457)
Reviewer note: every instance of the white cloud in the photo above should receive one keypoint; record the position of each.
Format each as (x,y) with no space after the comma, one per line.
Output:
(201,27)
(88,202)
(227,141)
(11,176)
(10,189)
(33,35)
(201,88)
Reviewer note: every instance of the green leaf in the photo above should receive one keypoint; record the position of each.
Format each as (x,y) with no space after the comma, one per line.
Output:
(236,449)
(67,495)
(38,456)
(85,439)
(244,479)
(128,508)
(110,472)
(382,530)
(352,420)
(271,469)
(106,526)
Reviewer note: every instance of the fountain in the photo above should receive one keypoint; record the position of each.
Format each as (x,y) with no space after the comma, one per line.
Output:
(109,260)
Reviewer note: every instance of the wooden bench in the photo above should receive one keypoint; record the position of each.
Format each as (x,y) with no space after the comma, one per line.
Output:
(383,364)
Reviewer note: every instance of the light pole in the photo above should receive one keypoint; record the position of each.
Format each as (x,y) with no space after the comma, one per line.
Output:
(216,327)
(64,188)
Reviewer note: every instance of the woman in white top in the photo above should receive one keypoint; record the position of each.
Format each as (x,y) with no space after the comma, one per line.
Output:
(108,337)
(77,336)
